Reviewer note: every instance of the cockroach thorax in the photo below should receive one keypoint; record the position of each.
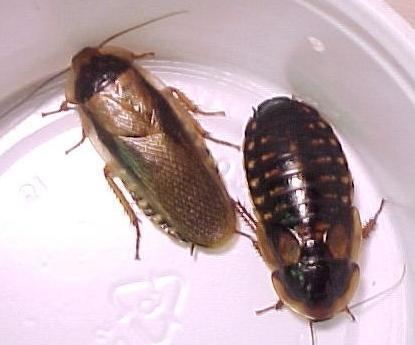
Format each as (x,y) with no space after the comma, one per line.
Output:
(88,54)
(95,68)
(83,57)
(317,290)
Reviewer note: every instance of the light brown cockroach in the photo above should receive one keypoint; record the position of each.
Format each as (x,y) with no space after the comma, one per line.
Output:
(146,133)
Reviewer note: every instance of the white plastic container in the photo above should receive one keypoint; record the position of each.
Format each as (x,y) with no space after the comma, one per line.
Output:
(66,248)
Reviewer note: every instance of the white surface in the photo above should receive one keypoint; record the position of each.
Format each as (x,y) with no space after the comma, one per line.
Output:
(406,8)
(66,246)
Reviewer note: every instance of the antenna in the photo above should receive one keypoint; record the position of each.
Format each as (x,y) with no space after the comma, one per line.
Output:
(33,92)
(118,34)
(112,37)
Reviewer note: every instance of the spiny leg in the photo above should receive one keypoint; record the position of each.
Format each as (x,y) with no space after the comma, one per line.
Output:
(109,176)
(192,249)
(348,311)
(143,55)
(246,216)
(250,221)
(207,136)
(253,240)
(190,106)
(370,225)
(311,322)
(63,107)
(276,306)
(193,108)
(79,143)
(177,237)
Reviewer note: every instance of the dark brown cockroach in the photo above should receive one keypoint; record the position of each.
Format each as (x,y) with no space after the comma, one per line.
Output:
(308,231)
(148,138)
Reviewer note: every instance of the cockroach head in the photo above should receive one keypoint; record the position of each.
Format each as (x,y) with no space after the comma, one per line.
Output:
(317,286)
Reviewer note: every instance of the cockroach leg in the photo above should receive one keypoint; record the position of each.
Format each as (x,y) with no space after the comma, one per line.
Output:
(64,107)
(190,106)
(143,55)
(311,322)
(276,306)
(253,240)
(250,221)
(207,136)
(348,311)
(199,128)
(109,176)
(370,225)
(79,143)
(246,216)
(192,249)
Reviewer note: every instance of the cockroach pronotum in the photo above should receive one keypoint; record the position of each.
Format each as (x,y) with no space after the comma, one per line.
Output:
(308,230)
(148,138)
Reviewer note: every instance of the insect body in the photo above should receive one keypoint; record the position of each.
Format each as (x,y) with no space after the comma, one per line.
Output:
(148,138)
(308,231)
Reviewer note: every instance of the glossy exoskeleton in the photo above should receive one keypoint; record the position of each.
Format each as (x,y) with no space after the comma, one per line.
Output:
(308,231)
(146,133)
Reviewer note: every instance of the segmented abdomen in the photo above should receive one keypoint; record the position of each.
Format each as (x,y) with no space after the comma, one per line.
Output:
(296,169)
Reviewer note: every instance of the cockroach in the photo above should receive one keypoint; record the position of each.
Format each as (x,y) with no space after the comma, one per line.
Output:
(308,230)
(146,134)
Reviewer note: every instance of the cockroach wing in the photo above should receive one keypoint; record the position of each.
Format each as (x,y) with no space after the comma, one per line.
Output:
(178,186)
(176,120)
